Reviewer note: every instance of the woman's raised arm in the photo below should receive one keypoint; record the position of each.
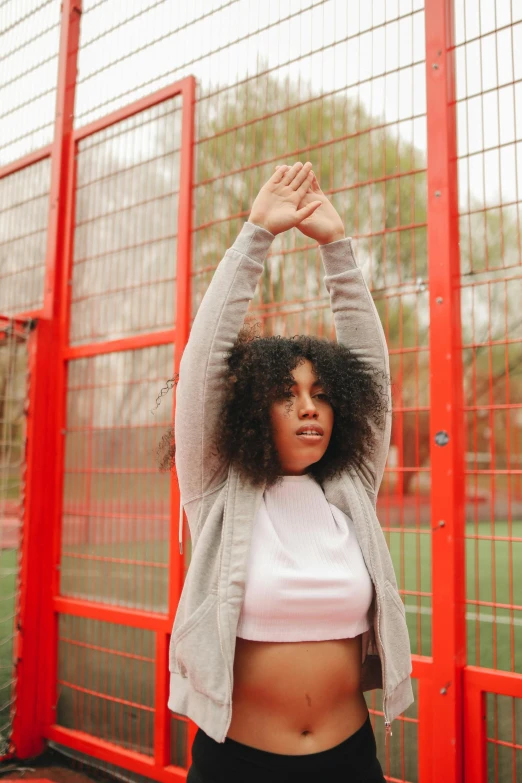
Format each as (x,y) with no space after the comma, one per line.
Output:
(358,326)
(220,316)
(357,322)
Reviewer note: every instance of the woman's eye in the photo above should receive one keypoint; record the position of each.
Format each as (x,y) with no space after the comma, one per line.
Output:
(291,394)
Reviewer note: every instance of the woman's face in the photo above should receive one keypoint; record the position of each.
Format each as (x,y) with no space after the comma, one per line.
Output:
(309,406)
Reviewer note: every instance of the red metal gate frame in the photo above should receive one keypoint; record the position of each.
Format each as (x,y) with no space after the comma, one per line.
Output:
(451,695)
(159,766)
(477,682)
(446,398)
(37,692)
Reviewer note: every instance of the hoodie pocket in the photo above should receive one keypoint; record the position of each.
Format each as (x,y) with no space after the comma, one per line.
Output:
(195,651)
(395,637)
(391,591)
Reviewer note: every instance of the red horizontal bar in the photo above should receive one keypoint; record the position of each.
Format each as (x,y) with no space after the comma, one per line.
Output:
(476,38)
(105,472)
(119,560)
(498,406)
(108,650)
(122,248)
(390,778)
(120,515)
(297,152)
(416,530)
(388,230)
(111,427)
(422,667)
(154,199)
(488,207)
(126,289)
(114,754)
(515,607)
(489,344)
(511,745)
(28,160)
(28,235)
(132,108)
(510,540)
(376,181)
(474,283)
(95,610)
(493,681)
(107,696)
(488,91)
(88,183)
(494,472)
(125,344)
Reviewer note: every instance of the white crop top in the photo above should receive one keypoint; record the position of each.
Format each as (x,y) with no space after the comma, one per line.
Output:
(306,577)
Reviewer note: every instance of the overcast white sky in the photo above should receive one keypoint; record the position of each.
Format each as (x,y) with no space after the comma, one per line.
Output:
(208,38)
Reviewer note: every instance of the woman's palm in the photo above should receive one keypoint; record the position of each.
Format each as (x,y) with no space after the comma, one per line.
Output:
(325,222)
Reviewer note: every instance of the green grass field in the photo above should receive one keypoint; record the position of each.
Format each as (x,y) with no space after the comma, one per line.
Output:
(494,635)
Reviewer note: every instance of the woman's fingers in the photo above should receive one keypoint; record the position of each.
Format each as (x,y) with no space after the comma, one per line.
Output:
(292,173)
(305,185)
(302,177)
(298,177)
(278,175)
(305,212)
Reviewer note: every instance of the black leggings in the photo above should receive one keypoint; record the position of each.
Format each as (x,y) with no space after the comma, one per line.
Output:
(353,761)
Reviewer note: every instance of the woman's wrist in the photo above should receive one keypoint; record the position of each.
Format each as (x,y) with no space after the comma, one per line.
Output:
(334,238)
(259,224)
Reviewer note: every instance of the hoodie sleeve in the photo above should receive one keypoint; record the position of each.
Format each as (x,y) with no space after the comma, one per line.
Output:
(358,326)
(199,392)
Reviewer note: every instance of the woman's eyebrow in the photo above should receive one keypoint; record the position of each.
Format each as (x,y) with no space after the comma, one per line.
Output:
(315,383)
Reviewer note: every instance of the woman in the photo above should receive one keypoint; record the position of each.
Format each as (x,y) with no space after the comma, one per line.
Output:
(290,608)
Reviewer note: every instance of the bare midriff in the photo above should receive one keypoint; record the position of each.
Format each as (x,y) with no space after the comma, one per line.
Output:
(297,697)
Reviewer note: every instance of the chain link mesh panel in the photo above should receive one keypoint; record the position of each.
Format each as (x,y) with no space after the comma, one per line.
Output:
(14,394)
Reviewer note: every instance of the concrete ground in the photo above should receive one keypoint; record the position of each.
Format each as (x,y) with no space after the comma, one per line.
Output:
(52,768)
(44,775)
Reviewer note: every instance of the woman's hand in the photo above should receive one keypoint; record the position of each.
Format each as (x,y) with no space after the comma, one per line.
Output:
(278,205)
(324,224)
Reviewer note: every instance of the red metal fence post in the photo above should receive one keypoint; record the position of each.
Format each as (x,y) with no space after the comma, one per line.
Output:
(446,425)
(59,248)
(475,730)
(37,632)
(160,766)
(27,738)
(183,310)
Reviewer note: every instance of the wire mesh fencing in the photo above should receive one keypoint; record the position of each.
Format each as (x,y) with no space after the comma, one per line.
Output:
(345,86)
(14,382)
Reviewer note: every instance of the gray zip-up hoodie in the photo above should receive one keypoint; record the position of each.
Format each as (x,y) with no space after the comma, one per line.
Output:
(221,506)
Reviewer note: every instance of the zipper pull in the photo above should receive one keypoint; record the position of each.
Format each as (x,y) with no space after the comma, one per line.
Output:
(387,733)
(387,726)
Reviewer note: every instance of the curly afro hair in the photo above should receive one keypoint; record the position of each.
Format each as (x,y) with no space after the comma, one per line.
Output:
(258,372)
